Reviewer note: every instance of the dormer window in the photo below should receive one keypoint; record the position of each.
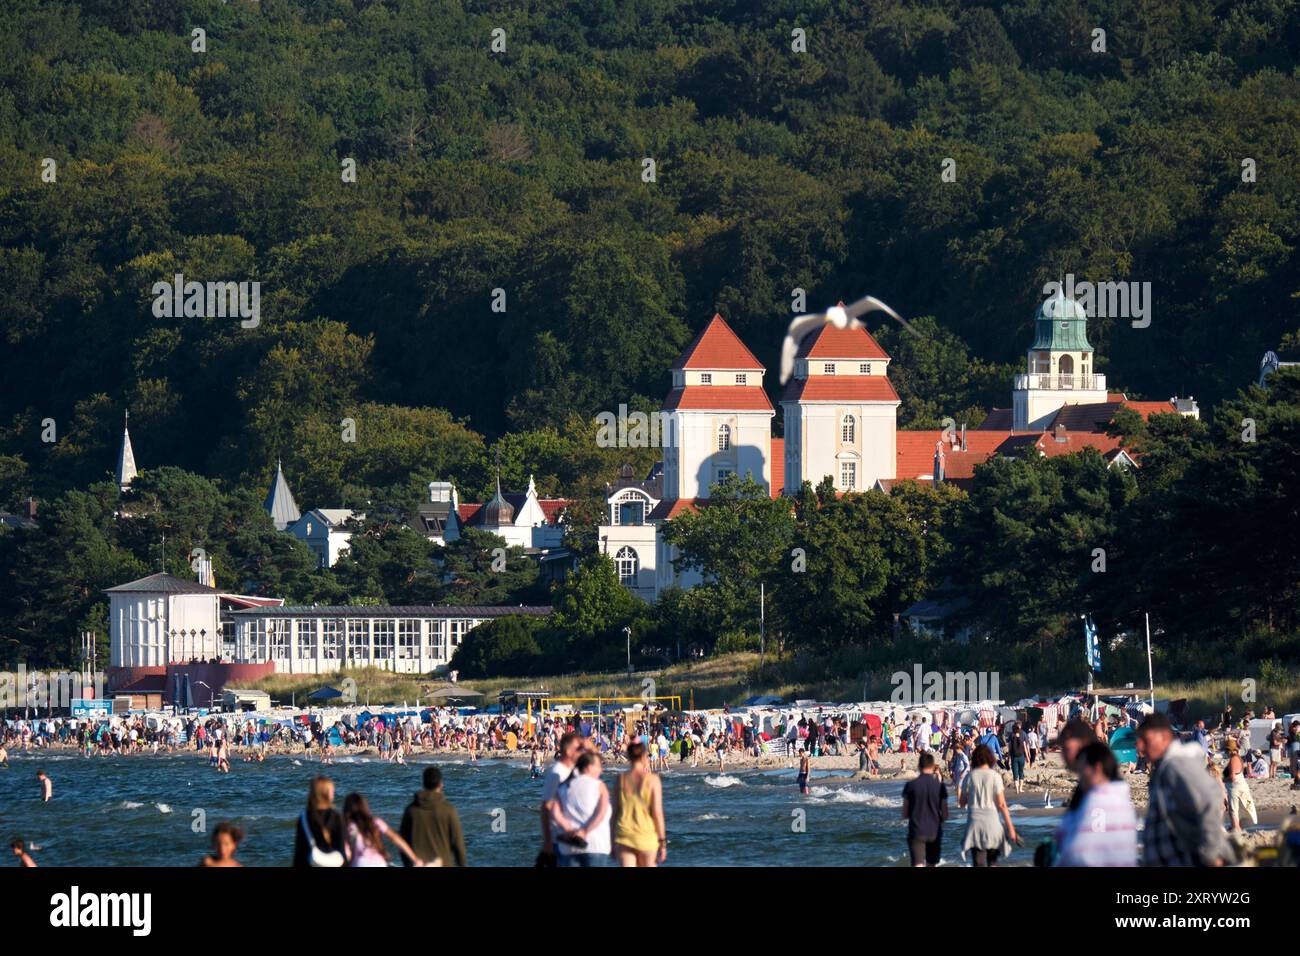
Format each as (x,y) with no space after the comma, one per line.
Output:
(864,368)
(740,378)
(706,378)
(829,368)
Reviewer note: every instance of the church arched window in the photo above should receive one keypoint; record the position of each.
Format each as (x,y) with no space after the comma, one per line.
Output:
(628,565)
(724,437)
(848,430)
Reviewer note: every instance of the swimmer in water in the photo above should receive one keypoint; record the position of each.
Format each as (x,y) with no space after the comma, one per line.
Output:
(47,786)
(4,757)
(225,841)
(805,768)
(20,850)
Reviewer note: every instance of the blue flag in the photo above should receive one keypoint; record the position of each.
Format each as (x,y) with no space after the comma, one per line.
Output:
(1092,644)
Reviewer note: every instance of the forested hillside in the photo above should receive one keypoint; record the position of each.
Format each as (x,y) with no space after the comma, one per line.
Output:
(502,146)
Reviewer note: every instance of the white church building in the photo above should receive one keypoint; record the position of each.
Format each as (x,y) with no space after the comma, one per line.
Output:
(840,417)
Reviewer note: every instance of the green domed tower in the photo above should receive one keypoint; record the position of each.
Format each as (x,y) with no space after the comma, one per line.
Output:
(1059,368)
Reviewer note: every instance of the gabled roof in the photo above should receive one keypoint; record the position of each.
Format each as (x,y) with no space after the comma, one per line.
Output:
(672,507)
(830,342)
(717,346)
(279,502)
(840,388)
(722,398)
(471,513)
(162,583)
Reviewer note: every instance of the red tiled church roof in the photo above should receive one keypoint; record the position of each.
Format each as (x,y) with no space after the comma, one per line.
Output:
(717,346)
(830,342)
(840,388)
(739,398)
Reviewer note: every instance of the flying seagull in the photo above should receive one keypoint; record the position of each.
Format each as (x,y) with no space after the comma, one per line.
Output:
(841,316)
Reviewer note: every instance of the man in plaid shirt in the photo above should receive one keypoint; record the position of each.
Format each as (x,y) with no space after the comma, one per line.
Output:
(1184,822)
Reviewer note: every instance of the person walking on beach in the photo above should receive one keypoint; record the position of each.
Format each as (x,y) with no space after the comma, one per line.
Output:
(1184,820)
(1240,798)
(19,849)
(1275,740)
(226,838)
(366,834)
(925,808)
(640,838)
(320,836)
(566,757)
(805,769)
(47,786)
(431,825)
(1018,748)
(984,798)
(960,764)
(1101,828)
(1293,745)
(582,812)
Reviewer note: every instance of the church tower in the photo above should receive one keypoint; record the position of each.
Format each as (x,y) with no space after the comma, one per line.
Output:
(126,457)
(841,412)
(1060,367)
(719,419)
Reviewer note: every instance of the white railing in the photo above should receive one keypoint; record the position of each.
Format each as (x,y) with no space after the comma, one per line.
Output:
(1060,382)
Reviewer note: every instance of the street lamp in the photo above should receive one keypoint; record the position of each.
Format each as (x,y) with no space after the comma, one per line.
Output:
(627,632)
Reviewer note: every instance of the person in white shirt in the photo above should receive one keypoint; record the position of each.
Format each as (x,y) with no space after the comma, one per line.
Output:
(580,816)
(567,755)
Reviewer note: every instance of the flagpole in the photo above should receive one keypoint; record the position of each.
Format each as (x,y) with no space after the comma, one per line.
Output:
(1151,678)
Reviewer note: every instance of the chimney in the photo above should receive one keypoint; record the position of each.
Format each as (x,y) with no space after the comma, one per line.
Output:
(938,462)
(31,508)
(963,437)
(1059,434)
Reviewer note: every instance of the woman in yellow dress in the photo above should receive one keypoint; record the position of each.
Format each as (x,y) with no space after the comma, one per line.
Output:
(639,835)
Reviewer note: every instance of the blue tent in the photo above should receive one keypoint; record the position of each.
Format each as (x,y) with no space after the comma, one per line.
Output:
(1123,744)
(325,693)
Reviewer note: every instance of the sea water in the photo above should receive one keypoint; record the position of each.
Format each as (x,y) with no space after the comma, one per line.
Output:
(158,810)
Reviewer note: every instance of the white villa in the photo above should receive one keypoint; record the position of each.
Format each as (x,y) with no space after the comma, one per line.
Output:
(840,418)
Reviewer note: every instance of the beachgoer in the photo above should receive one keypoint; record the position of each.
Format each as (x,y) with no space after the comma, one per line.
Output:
(640,838)
(1018,748)
(226,838)
(320,834)
(19,849)
(1240,798)
(47,786)
(984,798)
(805,770)
(581,817)
(1101,828)
(366,834)
(565,759)
(1184,819)
(925,808)
(431,825)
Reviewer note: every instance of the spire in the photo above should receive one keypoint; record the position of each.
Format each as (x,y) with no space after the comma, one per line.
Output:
(126,458)
(279,501)
(498,511)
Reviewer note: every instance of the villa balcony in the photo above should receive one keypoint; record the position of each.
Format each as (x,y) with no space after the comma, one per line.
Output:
(1025,382)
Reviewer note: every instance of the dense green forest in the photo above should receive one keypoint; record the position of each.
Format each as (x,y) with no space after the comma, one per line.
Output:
(522,169)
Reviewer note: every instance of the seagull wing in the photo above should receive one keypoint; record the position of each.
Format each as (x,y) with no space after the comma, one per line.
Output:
(869,303)
(799,327)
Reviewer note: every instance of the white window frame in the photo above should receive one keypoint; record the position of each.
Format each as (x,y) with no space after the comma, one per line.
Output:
(828,368)
(628,563)
(706,378)
(848,475)
(741,378)
(848,430)
(724,437)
